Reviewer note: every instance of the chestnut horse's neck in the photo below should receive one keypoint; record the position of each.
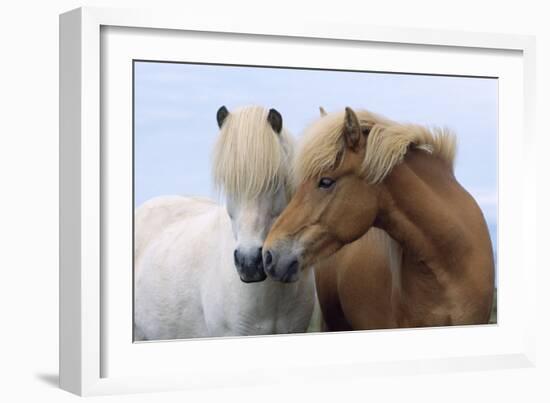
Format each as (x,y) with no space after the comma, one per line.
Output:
(416,206)
(445,240)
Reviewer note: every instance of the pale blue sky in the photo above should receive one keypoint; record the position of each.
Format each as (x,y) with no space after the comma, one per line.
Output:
(176,104)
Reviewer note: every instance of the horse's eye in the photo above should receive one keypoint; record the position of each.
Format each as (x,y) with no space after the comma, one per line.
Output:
(326,183)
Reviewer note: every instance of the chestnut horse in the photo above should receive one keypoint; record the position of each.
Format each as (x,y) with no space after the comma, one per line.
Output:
(397,240)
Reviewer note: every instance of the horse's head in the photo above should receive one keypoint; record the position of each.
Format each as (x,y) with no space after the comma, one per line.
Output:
(333,204)
(252,166)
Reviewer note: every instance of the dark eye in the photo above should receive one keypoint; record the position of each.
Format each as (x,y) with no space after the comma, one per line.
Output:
(326,183)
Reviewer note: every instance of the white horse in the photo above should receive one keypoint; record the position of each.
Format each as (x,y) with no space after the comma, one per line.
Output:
(198,269)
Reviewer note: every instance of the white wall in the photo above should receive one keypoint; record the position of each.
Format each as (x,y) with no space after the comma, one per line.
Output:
(28,213)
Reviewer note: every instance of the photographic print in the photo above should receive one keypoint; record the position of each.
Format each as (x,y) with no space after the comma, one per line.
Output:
(273,200)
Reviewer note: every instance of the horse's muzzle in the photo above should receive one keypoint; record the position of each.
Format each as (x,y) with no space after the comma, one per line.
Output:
(284,267)
(250,266)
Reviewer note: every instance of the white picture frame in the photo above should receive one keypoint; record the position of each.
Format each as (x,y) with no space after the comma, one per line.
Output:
(85,344)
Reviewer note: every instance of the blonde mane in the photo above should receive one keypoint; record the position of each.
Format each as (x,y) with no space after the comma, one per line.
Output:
(249,157)
(387,144)
(393,249)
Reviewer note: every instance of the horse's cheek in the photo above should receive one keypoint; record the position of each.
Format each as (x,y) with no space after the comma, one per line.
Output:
(354,217)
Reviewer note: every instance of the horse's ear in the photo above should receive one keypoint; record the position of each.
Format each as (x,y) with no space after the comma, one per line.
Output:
(352,130)
(221,115)
(322,111)
(275,120)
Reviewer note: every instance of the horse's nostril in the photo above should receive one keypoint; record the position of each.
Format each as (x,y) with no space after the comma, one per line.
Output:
(268,258)
(258,258)
(293,268)
(236,257)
